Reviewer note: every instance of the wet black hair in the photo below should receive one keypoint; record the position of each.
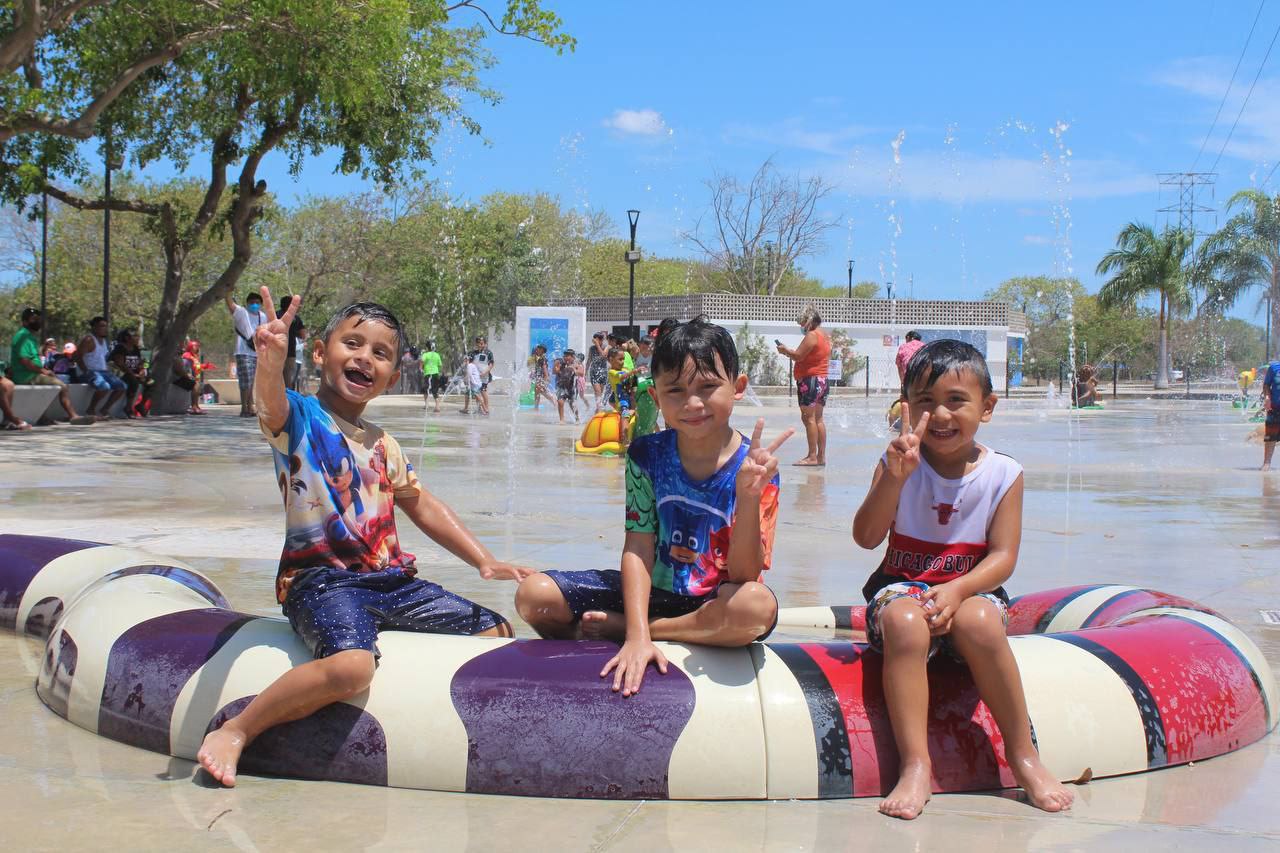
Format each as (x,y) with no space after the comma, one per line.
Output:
(697,339)
(371,311)
(913,335)
(96,320)
(123,335)
(943,356)
(252,295)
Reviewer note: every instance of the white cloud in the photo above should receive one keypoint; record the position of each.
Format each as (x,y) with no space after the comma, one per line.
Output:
(637,122)
(966,178)
(1256,137)
(1035,173)
(795,133)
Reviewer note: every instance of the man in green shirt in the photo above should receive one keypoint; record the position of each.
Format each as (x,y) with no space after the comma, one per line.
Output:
(24,356)
(432,379)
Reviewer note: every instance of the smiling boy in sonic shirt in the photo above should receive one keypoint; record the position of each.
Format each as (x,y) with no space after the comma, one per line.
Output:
(343,576)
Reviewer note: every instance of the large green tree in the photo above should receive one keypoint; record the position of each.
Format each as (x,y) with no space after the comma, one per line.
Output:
(375,81)
(1048,304)
(63,63)
(1244,255)
(1146,263)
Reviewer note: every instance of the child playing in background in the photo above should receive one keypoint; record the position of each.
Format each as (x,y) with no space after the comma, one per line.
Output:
(475,385)
(952,509)
(566,373)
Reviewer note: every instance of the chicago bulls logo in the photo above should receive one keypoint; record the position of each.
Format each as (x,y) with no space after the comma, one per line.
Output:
(944,512)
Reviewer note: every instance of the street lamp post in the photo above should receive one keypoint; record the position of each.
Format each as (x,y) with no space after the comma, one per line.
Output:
(633,257)
(851,279)
(112,161)
(44,244)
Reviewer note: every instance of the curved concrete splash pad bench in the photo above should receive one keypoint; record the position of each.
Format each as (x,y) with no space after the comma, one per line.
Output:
(145,650)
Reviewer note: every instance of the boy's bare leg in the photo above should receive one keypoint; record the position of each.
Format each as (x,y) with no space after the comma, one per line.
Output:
(978,634)
(296,694)
(737,615)
(560,409)
(906,693)
(540,602)
(1268,450)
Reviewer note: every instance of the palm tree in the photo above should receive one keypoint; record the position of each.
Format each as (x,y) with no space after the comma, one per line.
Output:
(1245,254)
(1145,262)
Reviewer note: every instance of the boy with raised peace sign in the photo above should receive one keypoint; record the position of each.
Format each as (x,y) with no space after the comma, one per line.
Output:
(702,504)
(952,509)
(342,574)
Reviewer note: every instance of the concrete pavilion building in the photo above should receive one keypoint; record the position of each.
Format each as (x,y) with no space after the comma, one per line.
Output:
(875,326)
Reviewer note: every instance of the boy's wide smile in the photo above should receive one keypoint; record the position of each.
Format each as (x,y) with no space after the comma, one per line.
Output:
(358,377)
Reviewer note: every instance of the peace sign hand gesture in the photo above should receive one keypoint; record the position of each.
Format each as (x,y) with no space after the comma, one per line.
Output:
(903,456)
(760,465)
(271,339)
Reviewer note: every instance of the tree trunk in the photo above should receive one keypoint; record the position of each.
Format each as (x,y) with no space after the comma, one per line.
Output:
(1162,351)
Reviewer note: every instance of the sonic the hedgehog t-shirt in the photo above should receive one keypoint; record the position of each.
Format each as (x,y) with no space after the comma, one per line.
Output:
(339,482)
(691,520)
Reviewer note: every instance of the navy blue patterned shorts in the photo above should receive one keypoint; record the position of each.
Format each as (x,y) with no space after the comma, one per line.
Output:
(334,610)
(601,589)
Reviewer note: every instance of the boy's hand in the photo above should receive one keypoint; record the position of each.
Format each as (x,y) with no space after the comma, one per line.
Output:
(629,664)
(940,605)
(903,455)
(500,571)
(272,337)
(760,465)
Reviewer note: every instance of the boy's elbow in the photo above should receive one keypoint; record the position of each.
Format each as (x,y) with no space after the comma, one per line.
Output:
(863,535)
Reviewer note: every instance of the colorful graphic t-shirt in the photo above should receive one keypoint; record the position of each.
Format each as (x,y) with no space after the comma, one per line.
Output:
(691,520)
(340,482)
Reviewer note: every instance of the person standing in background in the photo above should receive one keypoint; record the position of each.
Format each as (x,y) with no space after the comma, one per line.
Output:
(245,319)
(432,380)
(811,359)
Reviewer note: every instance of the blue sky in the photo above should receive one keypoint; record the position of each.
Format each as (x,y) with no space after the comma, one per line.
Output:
(1031,133)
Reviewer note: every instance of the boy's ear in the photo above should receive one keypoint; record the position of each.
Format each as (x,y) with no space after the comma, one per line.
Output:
(653,392)
(989,406)
(317,351)
(740,386)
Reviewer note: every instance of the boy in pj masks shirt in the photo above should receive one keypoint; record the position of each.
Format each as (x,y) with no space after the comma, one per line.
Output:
(702,505)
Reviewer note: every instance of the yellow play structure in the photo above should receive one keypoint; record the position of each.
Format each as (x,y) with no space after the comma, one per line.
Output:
(602,436)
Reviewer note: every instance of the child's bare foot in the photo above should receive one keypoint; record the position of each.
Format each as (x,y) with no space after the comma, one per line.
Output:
(603,625)
(220,752)
(1043,791)
(908,797)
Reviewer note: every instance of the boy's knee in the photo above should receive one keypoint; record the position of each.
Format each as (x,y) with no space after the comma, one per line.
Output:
(978,621)
(756,603)
(350,672)
(538,598)
(903,625)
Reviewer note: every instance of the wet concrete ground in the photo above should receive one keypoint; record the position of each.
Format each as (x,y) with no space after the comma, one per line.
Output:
(1164,494)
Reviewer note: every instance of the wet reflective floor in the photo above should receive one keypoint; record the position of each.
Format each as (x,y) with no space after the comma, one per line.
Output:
(1164,494)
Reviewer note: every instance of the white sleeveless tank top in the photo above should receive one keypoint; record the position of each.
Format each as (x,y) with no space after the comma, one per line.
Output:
(940,530)
(97,359)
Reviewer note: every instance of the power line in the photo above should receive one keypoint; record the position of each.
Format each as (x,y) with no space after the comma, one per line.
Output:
(1246,100)
(1230,83)
(1269,174)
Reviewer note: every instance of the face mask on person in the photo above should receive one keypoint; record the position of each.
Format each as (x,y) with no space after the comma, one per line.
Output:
(254,308)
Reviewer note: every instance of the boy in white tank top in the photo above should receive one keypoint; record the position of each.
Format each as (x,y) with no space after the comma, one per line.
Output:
(952,510)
